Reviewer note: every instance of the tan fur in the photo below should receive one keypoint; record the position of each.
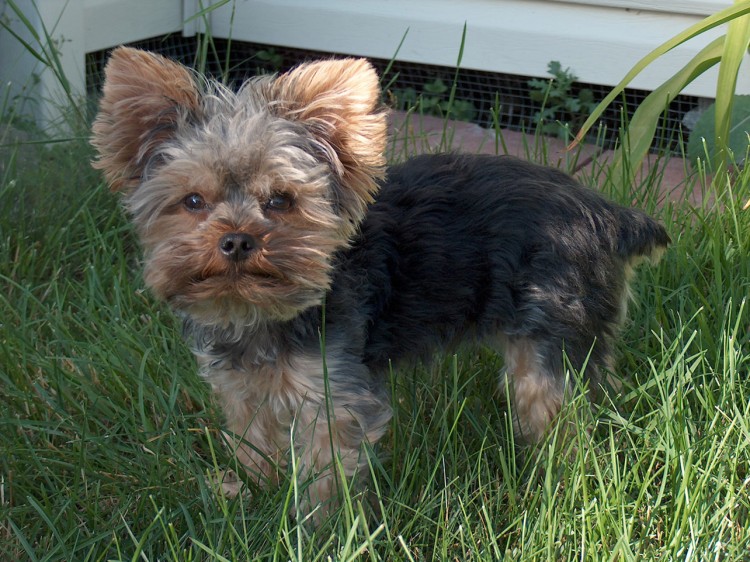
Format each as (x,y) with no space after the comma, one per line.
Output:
(289,409)
(144,98)
(208,141)
(148,98)
(274,279)
(535,401)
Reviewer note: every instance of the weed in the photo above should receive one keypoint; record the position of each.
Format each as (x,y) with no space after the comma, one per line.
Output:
(564,107)
(434,99)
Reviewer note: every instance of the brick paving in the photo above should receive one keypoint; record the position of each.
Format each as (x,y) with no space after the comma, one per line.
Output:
(425,133)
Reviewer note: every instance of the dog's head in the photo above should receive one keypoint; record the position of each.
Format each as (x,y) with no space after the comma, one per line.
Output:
(240,199)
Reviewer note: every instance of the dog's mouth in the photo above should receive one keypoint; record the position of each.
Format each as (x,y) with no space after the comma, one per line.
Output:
(254,269)
(252,283)
(237,275)
(242,298)
(236,283)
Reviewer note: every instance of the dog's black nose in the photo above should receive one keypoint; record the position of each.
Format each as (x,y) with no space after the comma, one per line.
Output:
(237,246)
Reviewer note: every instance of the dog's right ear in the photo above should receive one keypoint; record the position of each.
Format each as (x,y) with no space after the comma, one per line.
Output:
(338,101)
(145,98)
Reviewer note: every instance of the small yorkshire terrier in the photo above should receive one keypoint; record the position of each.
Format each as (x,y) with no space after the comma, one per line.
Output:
(303,267)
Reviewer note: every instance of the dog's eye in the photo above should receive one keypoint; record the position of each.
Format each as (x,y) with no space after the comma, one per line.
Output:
(279,202)
(195,202)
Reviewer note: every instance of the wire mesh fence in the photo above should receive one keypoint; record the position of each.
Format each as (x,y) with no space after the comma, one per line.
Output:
(486,98)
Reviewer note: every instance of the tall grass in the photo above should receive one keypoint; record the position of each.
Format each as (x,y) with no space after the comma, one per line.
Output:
(108,439)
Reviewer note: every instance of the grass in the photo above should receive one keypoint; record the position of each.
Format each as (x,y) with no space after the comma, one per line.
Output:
(108,438)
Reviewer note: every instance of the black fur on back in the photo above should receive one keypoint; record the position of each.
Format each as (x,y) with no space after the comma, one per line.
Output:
(458,244)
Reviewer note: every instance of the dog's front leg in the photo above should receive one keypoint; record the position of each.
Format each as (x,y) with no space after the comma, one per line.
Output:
(342,408)
(256,437)
(323,454)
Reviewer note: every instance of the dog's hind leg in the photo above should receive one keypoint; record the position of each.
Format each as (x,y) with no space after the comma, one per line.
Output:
(537,392)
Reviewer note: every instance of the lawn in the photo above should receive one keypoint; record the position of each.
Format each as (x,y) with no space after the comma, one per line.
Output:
(108,438)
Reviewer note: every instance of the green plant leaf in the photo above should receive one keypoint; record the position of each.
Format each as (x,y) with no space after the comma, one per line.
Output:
(437,86)
(703,132)
(637,140)
(572,105)
(735,47)
(719,18)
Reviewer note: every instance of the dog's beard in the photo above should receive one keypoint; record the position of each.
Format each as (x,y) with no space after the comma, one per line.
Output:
(274,284)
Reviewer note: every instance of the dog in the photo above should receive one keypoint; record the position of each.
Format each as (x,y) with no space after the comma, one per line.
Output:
(303,267)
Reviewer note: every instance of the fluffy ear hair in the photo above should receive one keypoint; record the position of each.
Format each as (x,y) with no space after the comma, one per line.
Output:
(145,97)
(339,102)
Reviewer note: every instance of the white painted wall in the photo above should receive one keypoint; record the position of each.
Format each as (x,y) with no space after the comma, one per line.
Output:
(26,82)
(697,7)
(76,27)
(598,39)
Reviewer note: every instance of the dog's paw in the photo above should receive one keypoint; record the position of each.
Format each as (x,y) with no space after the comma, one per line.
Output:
(228,484)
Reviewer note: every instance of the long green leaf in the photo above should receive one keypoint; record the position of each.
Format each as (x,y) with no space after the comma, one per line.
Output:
(719,18)
(642,126)
(735,47)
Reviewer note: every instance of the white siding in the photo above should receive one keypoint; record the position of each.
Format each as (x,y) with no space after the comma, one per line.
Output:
(599,43)
(598,39)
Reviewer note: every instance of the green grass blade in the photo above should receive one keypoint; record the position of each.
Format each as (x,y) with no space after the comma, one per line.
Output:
(203,13)
(109,442)
(445,144)
(24,20)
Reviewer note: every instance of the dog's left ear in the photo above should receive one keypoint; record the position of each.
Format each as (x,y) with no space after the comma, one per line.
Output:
(145,98)
(338,101)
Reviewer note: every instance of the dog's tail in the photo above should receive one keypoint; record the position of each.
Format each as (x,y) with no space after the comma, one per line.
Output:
(641,237)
